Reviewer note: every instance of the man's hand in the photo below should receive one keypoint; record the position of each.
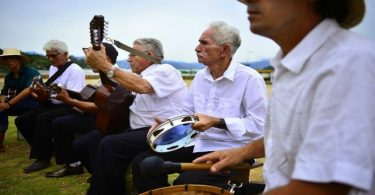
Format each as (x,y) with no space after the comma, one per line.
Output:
(205,122)
(63,96)
(4,106)
(223,159)
(157,122)
(97,59)
(39,92)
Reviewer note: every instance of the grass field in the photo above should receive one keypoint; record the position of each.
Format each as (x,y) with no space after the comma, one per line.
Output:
(14,181)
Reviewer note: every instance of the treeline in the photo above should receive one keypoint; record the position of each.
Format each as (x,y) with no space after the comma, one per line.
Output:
(41,63)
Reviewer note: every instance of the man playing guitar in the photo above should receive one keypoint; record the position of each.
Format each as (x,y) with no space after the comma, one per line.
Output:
(35,125)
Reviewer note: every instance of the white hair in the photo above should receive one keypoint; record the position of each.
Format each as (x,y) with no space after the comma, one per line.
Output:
(226,34)
(56,45)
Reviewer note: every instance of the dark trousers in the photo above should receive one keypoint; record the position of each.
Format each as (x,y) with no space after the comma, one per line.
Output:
(144,182)
(16,110)
(85,147)
(65,129)
(35,126)
(115,153)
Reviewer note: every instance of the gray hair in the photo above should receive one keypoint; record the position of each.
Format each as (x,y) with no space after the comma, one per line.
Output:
(226,34)
(153,45)
(55,45)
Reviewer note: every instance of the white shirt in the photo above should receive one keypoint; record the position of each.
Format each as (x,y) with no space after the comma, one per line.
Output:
(239,96)
(322,111)
(169,88)
(73,78)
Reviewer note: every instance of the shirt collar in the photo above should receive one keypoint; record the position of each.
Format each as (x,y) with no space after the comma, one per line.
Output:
(296,58)
(228,73)
(148,69)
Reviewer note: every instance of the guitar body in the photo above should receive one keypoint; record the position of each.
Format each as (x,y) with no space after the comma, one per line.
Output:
(114,103)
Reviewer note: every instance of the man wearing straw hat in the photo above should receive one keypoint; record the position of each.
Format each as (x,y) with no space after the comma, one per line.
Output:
(320,129)
(18,78)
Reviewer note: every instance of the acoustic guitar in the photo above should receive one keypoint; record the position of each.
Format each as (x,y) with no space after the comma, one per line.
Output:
(112,99)
(51,90)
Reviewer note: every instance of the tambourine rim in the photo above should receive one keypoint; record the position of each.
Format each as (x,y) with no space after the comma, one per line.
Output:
(151,138)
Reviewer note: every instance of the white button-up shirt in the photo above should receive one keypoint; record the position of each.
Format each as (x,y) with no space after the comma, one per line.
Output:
(239,96)
(73,79)
(322,111)
(169,88)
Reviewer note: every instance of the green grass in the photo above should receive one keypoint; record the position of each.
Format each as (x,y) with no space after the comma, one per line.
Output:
(14,181)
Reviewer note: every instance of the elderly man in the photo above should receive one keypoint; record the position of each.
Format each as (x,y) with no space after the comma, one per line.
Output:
(35,125)
(228,98)
(159,91)
(320,129)
(66,128)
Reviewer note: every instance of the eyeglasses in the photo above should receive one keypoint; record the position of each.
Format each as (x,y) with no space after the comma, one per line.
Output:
(48,56)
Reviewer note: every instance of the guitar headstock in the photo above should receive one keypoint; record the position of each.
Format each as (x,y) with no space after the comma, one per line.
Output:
(97,27)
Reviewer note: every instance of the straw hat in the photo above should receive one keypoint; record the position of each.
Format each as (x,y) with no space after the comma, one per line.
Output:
(13,52)
(356,12)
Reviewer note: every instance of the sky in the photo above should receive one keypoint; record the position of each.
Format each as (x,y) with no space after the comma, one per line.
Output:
(28,24)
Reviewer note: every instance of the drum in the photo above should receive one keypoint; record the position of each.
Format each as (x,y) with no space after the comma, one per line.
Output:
(173,134)
(188,189)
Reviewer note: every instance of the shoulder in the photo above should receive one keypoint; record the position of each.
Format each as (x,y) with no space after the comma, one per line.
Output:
(75,68)
(242,70)
(30,70)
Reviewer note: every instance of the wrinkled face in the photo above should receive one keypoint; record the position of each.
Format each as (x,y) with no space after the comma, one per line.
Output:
(57,59)
(274,17)
(12,62)
(137,63)
(208,51)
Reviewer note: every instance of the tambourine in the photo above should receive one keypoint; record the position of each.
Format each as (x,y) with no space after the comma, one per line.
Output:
(172,134)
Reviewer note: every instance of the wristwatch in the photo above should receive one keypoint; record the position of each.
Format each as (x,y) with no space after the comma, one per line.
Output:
(111,72)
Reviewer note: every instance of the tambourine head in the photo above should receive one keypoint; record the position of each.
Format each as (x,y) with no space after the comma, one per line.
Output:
(173,134)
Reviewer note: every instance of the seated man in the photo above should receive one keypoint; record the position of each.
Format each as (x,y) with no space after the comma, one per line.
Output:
(65,128)
(321,121)
(35,125)
(18,79)
(228,98)
(160,90)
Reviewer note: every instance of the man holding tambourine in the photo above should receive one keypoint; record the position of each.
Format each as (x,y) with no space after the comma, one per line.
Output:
(227,102)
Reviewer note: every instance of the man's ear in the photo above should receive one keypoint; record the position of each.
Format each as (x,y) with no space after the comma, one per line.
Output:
(226,50)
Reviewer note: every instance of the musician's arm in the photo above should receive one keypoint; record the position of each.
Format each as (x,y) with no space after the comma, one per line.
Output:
(85,106)
(129,80)
(82,105)
(132,81)
(24,94)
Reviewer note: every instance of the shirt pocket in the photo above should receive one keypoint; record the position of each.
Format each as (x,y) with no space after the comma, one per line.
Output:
(225,106)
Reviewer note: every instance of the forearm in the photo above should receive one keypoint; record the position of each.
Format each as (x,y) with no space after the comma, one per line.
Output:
(24,94)
(133,82)
(255,149)
(85,106)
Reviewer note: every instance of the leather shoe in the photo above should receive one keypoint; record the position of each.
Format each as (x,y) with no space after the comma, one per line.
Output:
(64,171)
(37,166)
